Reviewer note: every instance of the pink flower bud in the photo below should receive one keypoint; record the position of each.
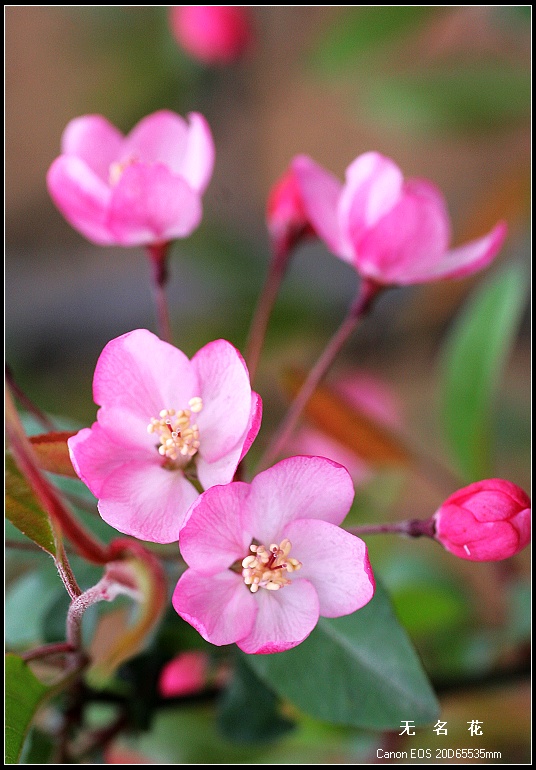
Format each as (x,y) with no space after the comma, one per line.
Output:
(212,34)
(187,674)
(486,521)
(285,213)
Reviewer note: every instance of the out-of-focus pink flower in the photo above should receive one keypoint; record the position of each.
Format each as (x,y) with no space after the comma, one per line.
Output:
(486,521)
(367,394)
(392,231)
(141,189)
(212,34)
(186,674)
(285,213)
(164,422)
(268,558)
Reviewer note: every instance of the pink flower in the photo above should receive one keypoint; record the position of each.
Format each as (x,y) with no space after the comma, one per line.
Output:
(486,521)
(285,212)
(366,394)
(142,189)
(164,422)
(186,674)
(213,34)
(268,558)
(392,231)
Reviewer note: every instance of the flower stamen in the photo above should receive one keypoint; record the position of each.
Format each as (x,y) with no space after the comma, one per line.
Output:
(266,567)
(179,437)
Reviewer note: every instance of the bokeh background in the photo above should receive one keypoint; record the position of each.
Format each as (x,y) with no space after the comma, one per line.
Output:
(445,91)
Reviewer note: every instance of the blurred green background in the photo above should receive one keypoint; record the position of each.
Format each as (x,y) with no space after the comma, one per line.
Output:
(444,91)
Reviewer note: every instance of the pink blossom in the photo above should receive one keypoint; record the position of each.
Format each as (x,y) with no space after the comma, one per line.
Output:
(486,521)
(392,231)
(141,189)
(212,34)
(268,558)
(164,423)
(367,394)
(285,212)
(186,674)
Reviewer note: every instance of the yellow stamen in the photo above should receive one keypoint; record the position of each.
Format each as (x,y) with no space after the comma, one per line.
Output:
(266,567)
(179,438)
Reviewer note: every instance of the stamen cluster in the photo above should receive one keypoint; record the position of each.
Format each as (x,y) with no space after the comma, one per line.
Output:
(179,438)
(265,567)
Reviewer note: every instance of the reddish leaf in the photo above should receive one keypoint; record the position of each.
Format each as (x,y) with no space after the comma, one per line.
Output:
(52,452)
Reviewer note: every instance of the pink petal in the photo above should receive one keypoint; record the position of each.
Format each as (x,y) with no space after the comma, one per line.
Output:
(220,607)
(409,240)
(373,186)
(214,536)
(226,394)
(320,192)
(284,618)
(151,205)
(158,138)
(140,373)
(198,160)
(95,455)
(335,562)
(185,674)
(82,197)
(312,442)
(467,259)
(146,501)
(94,140)
(254,424)
(297,488)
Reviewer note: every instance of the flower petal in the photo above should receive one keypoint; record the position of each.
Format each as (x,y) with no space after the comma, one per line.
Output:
(94,140)
(219,607)
(320,193)
(82,197)
(161,137)
(95,455)
(150,204)
(335,562)
(226,394)
(284,618)
(146,501)
(467,259)
(214,536)
(141,373)
(198,159)
(297,488)
(408,241)
(308,441)
(373,186)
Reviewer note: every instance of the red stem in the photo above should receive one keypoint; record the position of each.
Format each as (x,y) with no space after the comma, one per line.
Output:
(158,257)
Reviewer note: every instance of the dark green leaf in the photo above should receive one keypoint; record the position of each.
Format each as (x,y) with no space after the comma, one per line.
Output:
(359,670)
(474,356)
(264,723)
(476,97)
(23,510)
(362,30)
(24,695)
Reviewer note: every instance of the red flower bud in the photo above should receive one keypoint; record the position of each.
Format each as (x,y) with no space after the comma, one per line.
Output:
(485,521)
(285,213)
(212,34)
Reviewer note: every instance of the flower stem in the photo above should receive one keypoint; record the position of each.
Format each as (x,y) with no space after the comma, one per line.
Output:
(56,648)
(368,290)
(158,257)
(259,323)
(409,528)
(27,403)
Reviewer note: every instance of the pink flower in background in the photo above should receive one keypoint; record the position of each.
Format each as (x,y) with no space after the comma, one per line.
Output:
(268,558)
(212,34)
(367,394)
(141,189)
(486,521)
(285,213)
(189,673)
(392,231)
(164,422)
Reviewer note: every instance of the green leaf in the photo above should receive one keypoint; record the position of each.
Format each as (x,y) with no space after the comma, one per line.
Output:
(363,30)
(359,670)
(23,510)
(476,97)
(24,695)
(264,723)
(27,602)
(473,359)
